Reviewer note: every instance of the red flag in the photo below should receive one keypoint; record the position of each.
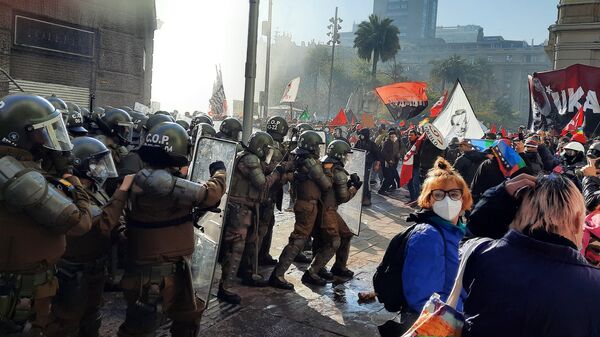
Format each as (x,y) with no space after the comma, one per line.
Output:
(503,132)
(493,128)
(404,100)
(439,105)
(340,119)
(407,164)
(575,123)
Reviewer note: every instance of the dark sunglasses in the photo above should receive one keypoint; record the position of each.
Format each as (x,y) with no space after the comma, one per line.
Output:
(439,195)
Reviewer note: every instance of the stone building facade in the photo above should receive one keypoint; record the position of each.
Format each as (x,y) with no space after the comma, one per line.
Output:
(90,52)
(575,38)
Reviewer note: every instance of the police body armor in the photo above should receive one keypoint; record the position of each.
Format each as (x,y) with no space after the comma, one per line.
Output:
(159,220)
(242,187)
(339,193)
(28,190)
(309,179)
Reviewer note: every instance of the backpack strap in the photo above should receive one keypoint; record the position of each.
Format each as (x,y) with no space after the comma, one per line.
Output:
(472,245)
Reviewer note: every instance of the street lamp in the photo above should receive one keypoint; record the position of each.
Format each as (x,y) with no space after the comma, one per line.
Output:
(334,40)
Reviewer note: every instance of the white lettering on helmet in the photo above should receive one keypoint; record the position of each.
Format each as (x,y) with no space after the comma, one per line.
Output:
(2,104)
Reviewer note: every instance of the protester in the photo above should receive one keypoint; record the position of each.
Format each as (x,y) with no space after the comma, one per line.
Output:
(414,185)
(390,155)
(531,156)
(468,162)
(453,151)
(533,281)
(372,160)
(489,174)
(431,259)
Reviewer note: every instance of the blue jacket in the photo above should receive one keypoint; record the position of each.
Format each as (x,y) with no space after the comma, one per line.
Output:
(530,285)
(428,268)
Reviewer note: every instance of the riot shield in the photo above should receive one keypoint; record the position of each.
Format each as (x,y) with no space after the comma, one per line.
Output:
(209,226)
(322,147)
(351,211)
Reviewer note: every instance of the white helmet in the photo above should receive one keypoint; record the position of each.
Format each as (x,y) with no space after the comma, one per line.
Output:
(575,146)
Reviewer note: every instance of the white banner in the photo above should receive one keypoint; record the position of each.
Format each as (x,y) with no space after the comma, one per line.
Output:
(458,119)
(291,91)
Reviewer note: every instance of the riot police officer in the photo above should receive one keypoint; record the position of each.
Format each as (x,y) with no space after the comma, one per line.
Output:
(117,132)
(333,235)
(309,182)
(74,123)
(201,119)
(231,129)
(160,235)
(81,270)
(203,130)
(156,119)
(248,188)
(277,127)
(37,211)
(139,121)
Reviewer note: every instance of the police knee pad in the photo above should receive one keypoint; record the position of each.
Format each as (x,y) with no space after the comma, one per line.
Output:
(336,242)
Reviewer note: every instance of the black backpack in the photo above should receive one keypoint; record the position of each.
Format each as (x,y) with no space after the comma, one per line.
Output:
(387,280)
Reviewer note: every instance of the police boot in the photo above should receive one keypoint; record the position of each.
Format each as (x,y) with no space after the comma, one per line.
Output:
(90,325)
(254,280)
(325,274)
(312,278)
(264,258)
(228,296)
(324,254)
(285,261)
(184,329)
(340,268)
(303,257)
(229,268)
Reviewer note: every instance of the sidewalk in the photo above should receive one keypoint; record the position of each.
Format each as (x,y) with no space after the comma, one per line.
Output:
(332,310)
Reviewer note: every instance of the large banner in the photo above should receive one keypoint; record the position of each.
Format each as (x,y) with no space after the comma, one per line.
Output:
(404,100)
(557,95)
(291,91)
(458,119)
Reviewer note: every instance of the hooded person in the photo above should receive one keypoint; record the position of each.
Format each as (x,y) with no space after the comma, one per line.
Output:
(372,161)
(468,162)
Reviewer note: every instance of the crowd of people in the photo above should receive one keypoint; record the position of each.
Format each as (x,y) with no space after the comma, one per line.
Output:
(84,194)
(538,271)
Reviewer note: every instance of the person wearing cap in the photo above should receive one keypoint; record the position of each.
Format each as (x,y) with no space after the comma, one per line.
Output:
(573,159)
(453,150)
(468,162)
(531,156)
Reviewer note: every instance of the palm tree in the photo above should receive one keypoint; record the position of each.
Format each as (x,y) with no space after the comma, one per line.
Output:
(376,40)
(450,69)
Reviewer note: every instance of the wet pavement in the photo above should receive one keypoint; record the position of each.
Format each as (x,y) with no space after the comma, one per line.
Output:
(333,310)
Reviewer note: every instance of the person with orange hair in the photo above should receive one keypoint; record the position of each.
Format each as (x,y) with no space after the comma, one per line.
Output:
(431,258)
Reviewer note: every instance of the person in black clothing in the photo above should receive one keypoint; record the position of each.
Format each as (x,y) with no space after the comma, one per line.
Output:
(489,174)
(365,143)
(533,159)
(390,154)
(414,185)
(468,163)
(453,151)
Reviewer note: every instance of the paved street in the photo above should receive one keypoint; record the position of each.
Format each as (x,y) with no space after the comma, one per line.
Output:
(333,310)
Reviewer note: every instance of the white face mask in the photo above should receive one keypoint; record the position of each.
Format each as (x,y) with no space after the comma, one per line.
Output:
(447,208)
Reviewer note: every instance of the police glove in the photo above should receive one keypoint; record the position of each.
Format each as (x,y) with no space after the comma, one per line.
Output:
(62,162)
(216,166)
(355,181)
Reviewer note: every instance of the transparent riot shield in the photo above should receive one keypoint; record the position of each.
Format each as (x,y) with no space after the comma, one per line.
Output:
(322,147)
(209,226)
(351,211)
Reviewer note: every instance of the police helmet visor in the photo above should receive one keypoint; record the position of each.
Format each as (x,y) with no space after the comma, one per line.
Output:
(125,131)
(52,134)
(101,168)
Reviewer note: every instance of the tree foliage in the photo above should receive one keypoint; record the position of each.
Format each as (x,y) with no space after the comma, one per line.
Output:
(377,40)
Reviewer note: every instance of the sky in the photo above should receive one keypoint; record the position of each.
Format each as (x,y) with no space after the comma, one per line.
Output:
(196,35)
